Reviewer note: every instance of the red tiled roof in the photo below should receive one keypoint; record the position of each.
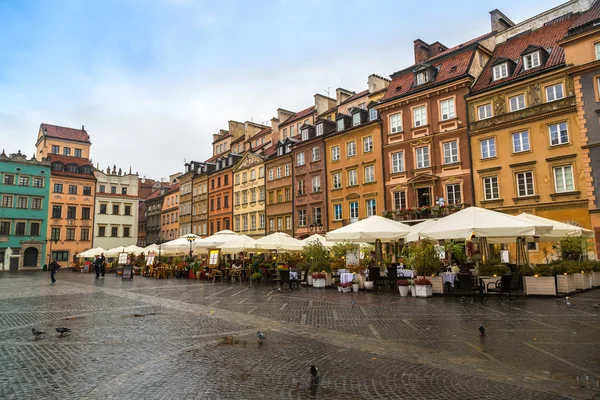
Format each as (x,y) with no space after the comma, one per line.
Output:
(241,138)
(355,96)
(61,132)
(460,46)
(69,160)
(585,18)
(74,175)
(299,115)
(545,37)
(154,195)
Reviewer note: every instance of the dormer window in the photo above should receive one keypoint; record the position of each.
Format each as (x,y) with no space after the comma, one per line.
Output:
(500,71)
(319,129)
(372,114)
(356,119)
(280,151)
(304,134)
(421,78)
(340,124)
(531,60)
(288,148)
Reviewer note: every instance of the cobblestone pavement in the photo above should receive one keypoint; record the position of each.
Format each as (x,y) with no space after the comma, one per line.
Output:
(154,339)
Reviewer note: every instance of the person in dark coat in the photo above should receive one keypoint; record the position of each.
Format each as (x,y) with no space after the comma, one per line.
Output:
(97,266)
(103,264)
(53,267)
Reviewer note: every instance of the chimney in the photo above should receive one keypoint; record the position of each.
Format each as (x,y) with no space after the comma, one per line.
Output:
(323,103)
(83,128)
(422,51)
(499,21)
(436,48)
(377,83)
(342,95)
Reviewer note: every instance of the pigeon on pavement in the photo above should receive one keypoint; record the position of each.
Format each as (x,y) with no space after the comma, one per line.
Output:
(353,302)
(481,330)
(568,302)
(62,330)
(37,333)
(314,373)
(261,337)
(596,306)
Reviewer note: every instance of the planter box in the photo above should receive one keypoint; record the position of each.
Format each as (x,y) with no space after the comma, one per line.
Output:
(309,280)
(318,283)
(355,287)
(565,283)
(403,291)
(339,288)
(369,285)
(346,289)
(437,283)
(542,285)
(595,279)
(328,279)
(424,290)
(413,291)
(583,281)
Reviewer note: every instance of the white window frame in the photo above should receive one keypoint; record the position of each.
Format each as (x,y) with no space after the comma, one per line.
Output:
(421,78)
(338,212)
(487,111)
(356,119)
(559,136)
(316,184)
(300,159)
(491,182)
(398,198)
(340,124)
(522,140)
(371,205)
(419,116)
(351,149)
(368,144)
(447,109)
(396,123)
(373,114)
(316,154)
(278,172)
(336,180)
(354,211)
(335,153)
(450,152)
(525,185)
(552,92)
(301,217)
(319,129)
(519,102)
(305,134)
(287,170)
(422,157)
(452,194)
(597,50)
(301,187)
(398,162)
(531,60)
(500,71)
(369,172)
(352,178)
(488,145)
(261,221)
(565,188)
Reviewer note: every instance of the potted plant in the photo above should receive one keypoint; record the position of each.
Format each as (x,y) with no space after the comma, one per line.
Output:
(423,287)
(413,289)
(318,279)
(346,286)
(565,278)
(595,273)
(539,280)
(368,285)
(256,277)
(583,275)
(425,260)
(355,285)
(402,287)
(339,287)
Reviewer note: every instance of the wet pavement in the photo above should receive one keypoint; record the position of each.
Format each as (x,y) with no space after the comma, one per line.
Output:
(187,339)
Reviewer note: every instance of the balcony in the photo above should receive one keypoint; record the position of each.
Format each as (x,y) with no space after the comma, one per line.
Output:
(419,214)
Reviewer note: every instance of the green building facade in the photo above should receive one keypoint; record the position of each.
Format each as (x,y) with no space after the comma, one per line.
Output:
(24,191)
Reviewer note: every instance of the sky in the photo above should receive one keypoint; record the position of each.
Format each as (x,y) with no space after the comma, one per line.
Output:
(152,80)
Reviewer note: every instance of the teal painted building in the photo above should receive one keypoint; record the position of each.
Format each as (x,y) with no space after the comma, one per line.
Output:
(24,191)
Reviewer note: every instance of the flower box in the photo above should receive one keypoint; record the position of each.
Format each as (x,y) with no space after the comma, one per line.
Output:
(403,290)
(309,280)
(583,281)
(346,289)
(595,279)
(565,283)
(319,283)
(339,288)
(424,290)
(437,284)
(540,285)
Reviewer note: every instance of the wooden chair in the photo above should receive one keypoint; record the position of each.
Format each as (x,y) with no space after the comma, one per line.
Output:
(216,273)
(236,273)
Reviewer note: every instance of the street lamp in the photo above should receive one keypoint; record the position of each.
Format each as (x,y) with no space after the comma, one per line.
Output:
(191,239)
(55,240)
(159,243)
(318,227)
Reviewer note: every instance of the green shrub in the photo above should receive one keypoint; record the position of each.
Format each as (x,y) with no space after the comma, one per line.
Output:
(424,258)
(496,269)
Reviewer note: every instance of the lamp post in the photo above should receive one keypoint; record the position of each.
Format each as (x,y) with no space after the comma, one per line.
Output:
(159,243)
(50,241)
(191,239)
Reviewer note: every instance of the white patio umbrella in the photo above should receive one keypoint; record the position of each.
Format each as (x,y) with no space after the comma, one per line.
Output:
(134,249)
(559,229)
(115,252)
(91,253)
(414,235)
(370,229)
(279,241)
(238,245)
(482,223)
(318,238)
(149,249)
(213,241)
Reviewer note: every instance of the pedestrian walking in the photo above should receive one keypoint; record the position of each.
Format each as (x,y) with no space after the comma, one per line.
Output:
(97,266)
(53,268)
(102,264)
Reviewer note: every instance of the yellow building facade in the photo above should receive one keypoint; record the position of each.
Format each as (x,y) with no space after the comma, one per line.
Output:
(249,196)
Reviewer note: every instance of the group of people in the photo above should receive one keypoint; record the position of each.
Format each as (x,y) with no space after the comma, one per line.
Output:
(100,265)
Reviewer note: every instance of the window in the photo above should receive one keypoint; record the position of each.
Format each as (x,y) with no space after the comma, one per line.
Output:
(55,234)
(301,217)
(71,212)
(447,107)
(261,172)
(517,102)
(335,153)
(55,150)
(253,222)
(279,223)
(371,208)
(23,181)
(36,203)
(261,193)
(271,174)
(398,162)
(304,134)
(319,129)
(70,234)
(284,133)
(372,114)
(9,179)
(558,134)
(237,224)
(317,215)
(421,78)
(292,131)
(102,189)
(21,202)
(488,148)
(525,184)
(253,174)
(356,119)
(369,174)
(288,194)
(485,111)
(72,189)
(316,183)
(5,228)
(58,188)
(288,223)
(219,200)
(337,180)
(300,159)
(531,60)
(38,182)
(520,141)
(300,187)
(78,153)
(399,200)
(115,209)
(395,123)
(245,222)
(353,211)
(271,197)
(554,92)
(87,191)
(34,229)
(500,71)
(563,179)
(20,229)
(56,211)
(450,152)
(261,221)
(102,208)
(490,188)
(85,235)
(422,157)
(351,149)
(597,48)
(420,116)
(271,224)
(85,213)
(368,144)
(337,212)
(316,154)
(352,178)
(66,151)
(127,210)
(278,174)
(340,124)
(124,190)
(287,170)
(114,231)
(113,189)
(279,196)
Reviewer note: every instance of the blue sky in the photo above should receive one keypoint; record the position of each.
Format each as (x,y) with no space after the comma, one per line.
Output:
(152,80)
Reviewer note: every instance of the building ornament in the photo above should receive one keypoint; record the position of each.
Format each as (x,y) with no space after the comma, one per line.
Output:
(420,142)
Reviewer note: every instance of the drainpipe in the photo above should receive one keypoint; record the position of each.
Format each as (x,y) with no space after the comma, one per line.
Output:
(470,155)
(382,162)
(325,192)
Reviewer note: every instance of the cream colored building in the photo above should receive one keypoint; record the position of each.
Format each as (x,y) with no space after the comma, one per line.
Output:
(249,196)
(116,206)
